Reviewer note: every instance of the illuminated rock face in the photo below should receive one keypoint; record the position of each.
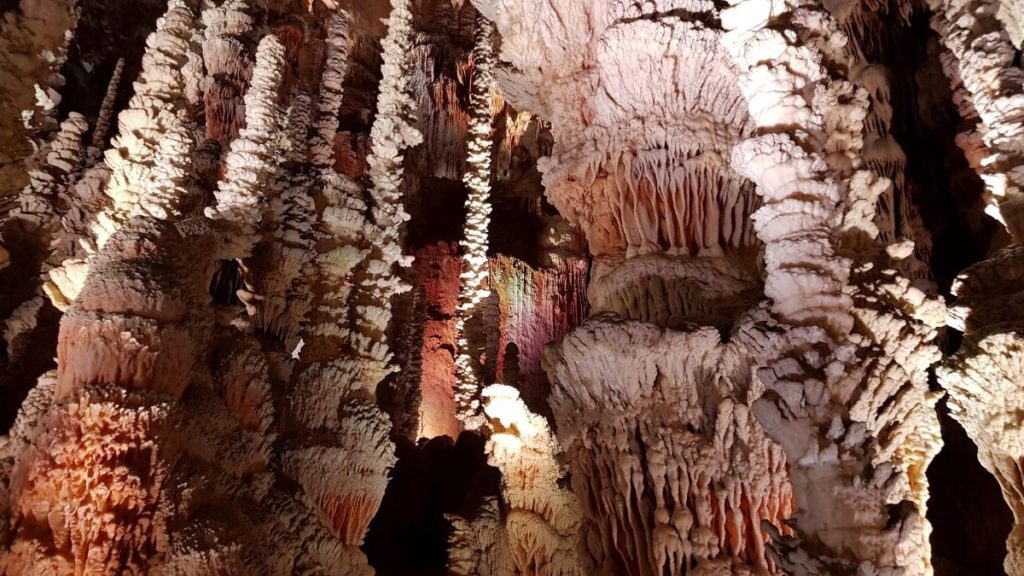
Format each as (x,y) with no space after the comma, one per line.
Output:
(656,265)
(668,460)
(654,435)
(983,378)
(698,117)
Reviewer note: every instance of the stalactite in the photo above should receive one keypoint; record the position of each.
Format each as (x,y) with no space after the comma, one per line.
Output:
(704,293)
(474,287)
(617,385)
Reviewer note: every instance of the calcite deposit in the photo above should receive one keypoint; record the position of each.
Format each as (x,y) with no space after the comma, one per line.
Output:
(509,287)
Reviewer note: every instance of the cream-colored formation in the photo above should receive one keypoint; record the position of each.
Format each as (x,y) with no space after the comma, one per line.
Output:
(847,395)
(391,135)
(748,395)
(982,41)
(667,458)
(254,155)
(981,60)
(150,152)
(657,443)
(537,530)
(48,192)
(153,130)
(983,378)
(474,285)
(763,100)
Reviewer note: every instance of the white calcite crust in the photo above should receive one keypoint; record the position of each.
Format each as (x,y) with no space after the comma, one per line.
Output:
(474,279)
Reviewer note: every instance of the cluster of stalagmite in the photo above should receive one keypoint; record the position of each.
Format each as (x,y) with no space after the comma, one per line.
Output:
(657,440)
(33,42)
(714,359)
(666,209)
(149,152)
(158,437)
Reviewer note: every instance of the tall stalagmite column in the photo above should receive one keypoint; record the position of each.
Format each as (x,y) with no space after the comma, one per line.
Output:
(846,342)
(474,285)
(652,404)
(984,378)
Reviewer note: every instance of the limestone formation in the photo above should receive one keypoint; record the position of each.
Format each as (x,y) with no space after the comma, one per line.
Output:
(548,287)
(473,289)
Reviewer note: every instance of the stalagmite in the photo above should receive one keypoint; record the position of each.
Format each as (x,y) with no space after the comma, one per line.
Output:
(983,59)
(668,223)
(391,135)
(106,112)
(343,470)
(155,120)
(983,378)
(846,381)
(331,90)
(674,307)
(474,287)
(152,129)
(276,292)
(33,41)
(255,154)
(537,531)
(47,195)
